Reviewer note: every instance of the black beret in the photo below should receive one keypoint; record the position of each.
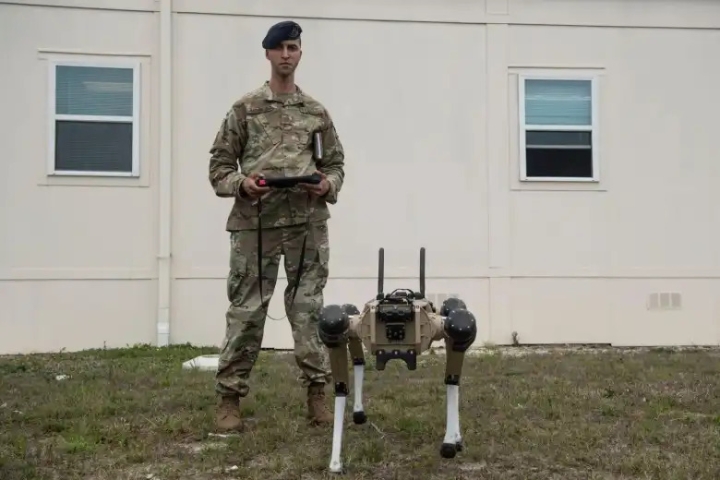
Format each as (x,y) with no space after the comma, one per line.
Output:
(281,32)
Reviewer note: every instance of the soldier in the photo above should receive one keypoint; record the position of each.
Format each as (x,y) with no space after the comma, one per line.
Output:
(269,132)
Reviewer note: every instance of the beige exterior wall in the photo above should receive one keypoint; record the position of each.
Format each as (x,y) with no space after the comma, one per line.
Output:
(426,94)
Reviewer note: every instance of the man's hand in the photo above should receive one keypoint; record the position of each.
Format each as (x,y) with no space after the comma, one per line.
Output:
(252,189)
(320,189)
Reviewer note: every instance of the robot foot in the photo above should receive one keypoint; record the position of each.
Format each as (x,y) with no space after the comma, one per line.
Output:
(449,450)
(359,418)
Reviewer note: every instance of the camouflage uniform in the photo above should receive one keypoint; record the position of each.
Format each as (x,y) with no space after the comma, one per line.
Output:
(272,134)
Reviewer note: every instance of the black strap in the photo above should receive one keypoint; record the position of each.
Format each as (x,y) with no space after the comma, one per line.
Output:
(300,268)
(260,255)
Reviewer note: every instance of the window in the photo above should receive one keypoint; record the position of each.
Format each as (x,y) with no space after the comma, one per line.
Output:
(94,119)
(558,129)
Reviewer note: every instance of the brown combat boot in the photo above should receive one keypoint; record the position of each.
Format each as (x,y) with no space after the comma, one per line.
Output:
(318,412)
(228,415)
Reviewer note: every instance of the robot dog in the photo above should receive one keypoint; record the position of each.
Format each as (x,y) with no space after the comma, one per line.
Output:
(399,325)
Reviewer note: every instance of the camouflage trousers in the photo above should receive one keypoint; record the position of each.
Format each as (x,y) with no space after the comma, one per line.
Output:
(245,317)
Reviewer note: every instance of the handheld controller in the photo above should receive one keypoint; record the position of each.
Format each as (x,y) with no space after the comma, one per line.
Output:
(400,325)
(288,182)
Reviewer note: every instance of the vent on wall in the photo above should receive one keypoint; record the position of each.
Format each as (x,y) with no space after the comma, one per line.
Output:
(664,301)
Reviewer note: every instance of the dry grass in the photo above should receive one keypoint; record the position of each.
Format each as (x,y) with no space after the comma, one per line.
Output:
(135,414)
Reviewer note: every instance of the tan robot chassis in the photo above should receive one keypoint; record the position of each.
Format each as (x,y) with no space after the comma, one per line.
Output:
(399,325)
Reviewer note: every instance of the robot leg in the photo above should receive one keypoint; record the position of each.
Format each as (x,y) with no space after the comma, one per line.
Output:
(334,331)
(460,329)
(358,359)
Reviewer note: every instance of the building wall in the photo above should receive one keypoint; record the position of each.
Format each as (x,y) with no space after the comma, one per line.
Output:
(650,226)
(426,104)
(77,255)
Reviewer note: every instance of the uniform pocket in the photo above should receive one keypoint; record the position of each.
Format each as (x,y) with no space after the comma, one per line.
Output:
(238,267)
(307,120)
(263,129)
(321,240)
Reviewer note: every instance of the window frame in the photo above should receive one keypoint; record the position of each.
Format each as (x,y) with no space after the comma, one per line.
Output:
(594,126)
(53,117)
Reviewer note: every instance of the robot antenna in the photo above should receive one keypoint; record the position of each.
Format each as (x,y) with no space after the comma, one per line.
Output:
(381,272)
(422,272)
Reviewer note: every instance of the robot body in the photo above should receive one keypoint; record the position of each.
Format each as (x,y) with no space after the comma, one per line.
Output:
(400,325)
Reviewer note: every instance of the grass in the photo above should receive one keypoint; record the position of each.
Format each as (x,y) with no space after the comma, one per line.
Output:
(135,414)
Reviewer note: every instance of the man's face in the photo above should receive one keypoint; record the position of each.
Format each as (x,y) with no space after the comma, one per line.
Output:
(285,58)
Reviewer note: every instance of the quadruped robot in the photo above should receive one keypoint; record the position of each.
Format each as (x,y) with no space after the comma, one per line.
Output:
(399,325)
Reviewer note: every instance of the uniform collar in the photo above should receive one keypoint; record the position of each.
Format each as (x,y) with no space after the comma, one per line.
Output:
(297,98)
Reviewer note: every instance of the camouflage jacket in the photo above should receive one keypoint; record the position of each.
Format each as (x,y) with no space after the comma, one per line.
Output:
(273,134)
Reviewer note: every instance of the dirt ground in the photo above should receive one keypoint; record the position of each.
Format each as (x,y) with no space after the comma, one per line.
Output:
(136,414)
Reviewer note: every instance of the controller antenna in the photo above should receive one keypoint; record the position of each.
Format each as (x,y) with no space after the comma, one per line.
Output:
(381,272)
(422,272)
